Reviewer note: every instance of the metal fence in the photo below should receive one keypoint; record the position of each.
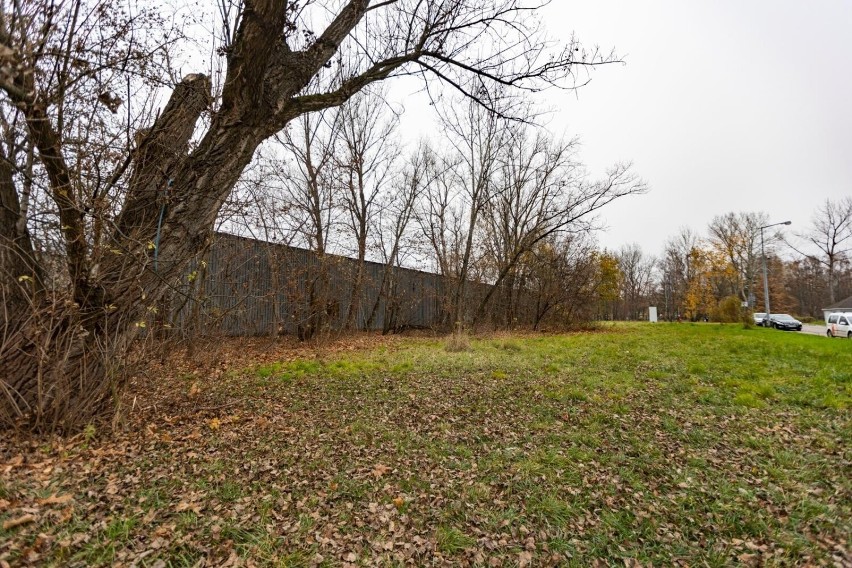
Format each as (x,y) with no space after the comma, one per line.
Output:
(243,286)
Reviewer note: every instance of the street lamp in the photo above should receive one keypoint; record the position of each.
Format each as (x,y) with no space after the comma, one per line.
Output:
(765,278)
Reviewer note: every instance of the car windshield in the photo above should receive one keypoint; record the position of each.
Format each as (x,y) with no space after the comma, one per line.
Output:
(784,317)
(759,314)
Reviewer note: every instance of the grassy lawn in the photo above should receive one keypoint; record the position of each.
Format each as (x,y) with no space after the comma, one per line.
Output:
(704,444)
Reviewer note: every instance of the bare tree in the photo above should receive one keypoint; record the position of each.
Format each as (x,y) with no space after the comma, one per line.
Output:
(476,134)
(365,161)
(677,269)
(831,234)
(309,188)
(67,75)
(542,192)
(637,271)
(528,204)
(394,219)
(21,275)
(806,282)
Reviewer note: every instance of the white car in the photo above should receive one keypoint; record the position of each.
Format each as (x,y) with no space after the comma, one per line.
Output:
(839,324)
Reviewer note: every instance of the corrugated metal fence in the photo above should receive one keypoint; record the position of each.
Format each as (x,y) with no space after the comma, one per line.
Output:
(249,287)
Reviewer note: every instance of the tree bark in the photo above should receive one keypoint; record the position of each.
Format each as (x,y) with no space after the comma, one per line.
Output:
(21,278)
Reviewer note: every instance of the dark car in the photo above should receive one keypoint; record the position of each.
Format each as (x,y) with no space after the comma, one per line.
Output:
(784,322)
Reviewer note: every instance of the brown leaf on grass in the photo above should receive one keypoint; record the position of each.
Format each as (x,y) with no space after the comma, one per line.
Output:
(185,506)
(64,515)
(19,521)
(56,499)
(157,543)
(379,470)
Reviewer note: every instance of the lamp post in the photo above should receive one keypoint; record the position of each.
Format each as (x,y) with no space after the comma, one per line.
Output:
(765,278)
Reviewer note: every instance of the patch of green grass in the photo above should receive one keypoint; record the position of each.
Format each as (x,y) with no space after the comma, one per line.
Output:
(508,345)
(120,529)
(748,400)
(299,369)
(451,540)
(550,510)
(229,491)
(268,370)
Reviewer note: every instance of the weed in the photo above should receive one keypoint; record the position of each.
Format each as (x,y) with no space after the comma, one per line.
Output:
(457,341)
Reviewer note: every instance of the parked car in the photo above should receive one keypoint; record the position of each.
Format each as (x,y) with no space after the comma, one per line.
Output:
(839,324)
(759,317)
(784,322)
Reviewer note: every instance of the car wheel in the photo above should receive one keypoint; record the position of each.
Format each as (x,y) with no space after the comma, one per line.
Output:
(828,333)
(849,336)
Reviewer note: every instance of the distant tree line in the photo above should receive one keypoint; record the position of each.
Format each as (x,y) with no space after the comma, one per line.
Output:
(697,275)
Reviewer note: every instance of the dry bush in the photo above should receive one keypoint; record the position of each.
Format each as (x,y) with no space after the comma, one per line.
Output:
(457,341)
(77,380)
(728,310)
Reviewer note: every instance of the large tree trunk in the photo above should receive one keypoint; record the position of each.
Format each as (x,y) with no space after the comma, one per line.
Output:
(55,351)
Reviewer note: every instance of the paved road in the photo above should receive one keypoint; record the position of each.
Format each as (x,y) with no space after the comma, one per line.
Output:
(813,329)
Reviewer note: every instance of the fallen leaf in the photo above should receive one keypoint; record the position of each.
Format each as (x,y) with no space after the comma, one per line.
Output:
(24,520)
(65,515)
(56,499)
(379,470)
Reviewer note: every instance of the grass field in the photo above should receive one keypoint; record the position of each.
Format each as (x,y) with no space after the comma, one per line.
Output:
(636,445)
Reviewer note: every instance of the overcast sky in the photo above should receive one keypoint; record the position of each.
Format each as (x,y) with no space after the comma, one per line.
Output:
(727,105)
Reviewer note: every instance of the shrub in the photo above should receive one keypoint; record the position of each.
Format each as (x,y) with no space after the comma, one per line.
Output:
(457,341)
(729,310)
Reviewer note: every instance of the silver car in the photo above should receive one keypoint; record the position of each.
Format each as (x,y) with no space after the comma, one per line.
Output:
(839,324)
